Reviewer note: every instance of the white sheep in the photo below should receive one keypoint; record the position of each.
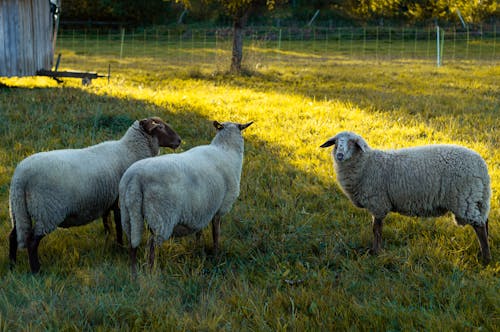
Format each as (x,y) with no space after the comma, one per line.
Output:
(425,181)
(179,194)
(73,187)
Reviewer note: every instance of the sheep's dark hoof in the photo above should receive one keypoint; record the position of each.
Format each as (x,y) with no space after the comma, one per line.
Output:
(374,251)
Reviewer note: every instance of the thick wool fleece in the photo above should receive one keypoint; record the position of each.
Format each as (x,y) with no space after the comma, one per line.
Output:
(424,181)
(75,186)
(184,190)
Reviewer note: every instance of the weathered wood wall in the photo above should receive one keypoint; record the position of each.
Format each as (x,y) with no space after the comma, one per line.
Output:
(25,37)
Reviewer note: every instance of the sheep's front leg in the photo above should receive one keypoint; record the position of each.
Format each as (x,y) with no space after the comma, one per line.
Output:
(32,246)
(377,235)
(216,232)
(105,222)
(151,253)
(13,247)
(133,262)
(482,236)
(118,224)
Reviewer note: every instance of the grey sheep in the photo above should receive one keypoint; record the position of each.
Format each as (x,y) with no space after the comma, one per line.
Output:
(425,181)
(73,187)
(179,194)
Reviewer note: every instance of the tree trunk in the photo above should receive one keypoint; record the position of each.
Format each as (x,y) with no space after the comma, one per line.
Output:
(238,30)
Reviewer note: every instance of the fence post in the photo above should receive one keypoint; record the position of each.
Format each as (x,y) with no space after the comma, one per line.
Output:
(494,38)
(279,40)
(364,40)
(415,44)
(438,38)
(467,43)
(122,41)
(403,41)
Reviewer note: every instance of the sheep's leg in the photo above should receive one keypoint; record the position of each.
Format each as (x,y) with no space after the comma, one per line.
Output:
(151,253)
(377,235)
(32,246)
(133,262)
(105,222)
(118,224)
(482,236)
(216,232)
(13,247)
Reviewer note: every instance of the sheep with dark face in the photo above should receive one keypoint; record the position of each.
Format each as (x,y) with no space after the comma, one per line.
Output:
(179,194)
(425,181)
(73,187)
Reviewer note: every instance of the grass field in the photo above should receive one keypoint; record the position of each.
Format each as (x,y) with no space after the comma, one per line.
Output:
(294,251)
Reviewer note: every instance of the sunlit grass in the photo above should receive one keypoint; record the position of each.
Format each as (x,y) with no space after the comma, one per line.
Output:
(294,250)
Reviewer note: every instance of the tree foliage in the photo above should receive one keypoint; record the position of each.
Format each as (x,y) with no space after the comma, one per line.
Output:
(264,11)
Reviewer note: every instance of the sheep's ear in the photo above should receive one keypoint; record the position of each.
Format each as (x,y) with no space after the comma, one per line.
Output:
(330,142)
(218,126)
(361,144)
(243,126)
(148,124)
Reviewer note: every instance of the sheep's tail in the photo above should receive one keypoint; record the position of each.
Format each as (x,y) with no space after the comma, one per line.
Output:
(19,215)
(131,206)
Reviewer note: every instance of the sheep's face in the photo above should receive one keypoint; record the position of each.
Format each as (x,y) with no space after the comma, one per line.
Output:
(167,137)
(346,144)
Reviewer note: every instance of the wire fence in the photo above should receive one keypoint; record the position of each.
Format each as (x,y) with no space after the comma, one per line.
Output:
(212,47)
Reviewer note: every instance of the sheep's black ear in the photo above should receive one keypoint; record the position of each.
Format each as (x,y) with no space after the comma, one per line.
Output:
(218,126)
(330,142)
(148,124)
(243,126)
(361,143)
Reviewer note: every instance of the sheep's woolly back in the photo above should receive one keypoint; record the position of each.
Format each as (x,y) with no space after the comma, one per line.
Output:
(421,181)
(185,189)
(74,186)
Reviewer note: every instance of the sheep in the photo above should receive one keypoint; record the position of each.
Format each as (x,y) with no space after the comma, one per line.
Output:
(72,187)
(179,194)
(425,181)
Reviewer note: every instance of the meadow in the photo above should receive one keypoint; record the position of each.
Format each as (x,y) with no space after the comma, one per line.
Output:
(294,251)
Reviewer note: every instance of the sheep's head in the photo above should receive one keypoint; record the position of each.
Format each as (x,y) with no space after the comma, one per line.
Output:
(346,145)
(167,137)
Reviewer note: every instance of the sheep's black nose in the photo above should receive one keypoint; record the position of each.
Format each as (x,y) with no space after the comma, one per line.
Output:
(340,156)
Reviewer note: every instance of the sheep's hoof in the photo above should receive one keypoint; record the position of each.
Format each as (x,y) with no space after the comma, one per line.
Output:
(374,251)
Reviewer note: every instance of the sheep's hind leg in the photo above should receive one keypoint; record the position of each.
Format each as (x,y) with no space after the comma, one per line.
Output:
(377,235)
(133,262)
(32,245)
(12,247)
(118,224)
(105,222)
(482,236)
(216,232)
(151,253)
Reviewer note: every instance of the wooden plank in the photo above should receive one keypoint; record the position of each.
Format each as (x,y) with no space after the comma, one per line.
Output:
(15,54)
(22,69)
(29,64)
(3,39)
(9,46)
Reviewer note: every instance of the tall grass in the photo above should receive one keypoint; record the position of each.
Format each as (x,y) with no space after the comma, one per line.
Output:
(294,250)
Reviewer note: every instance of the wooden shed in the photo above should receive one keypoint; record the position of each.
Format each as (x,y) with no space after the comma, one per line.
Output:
(28,30)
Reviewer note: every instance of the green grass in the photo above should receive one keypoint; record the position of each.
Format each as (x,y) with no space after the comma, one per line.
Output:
(294,251)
